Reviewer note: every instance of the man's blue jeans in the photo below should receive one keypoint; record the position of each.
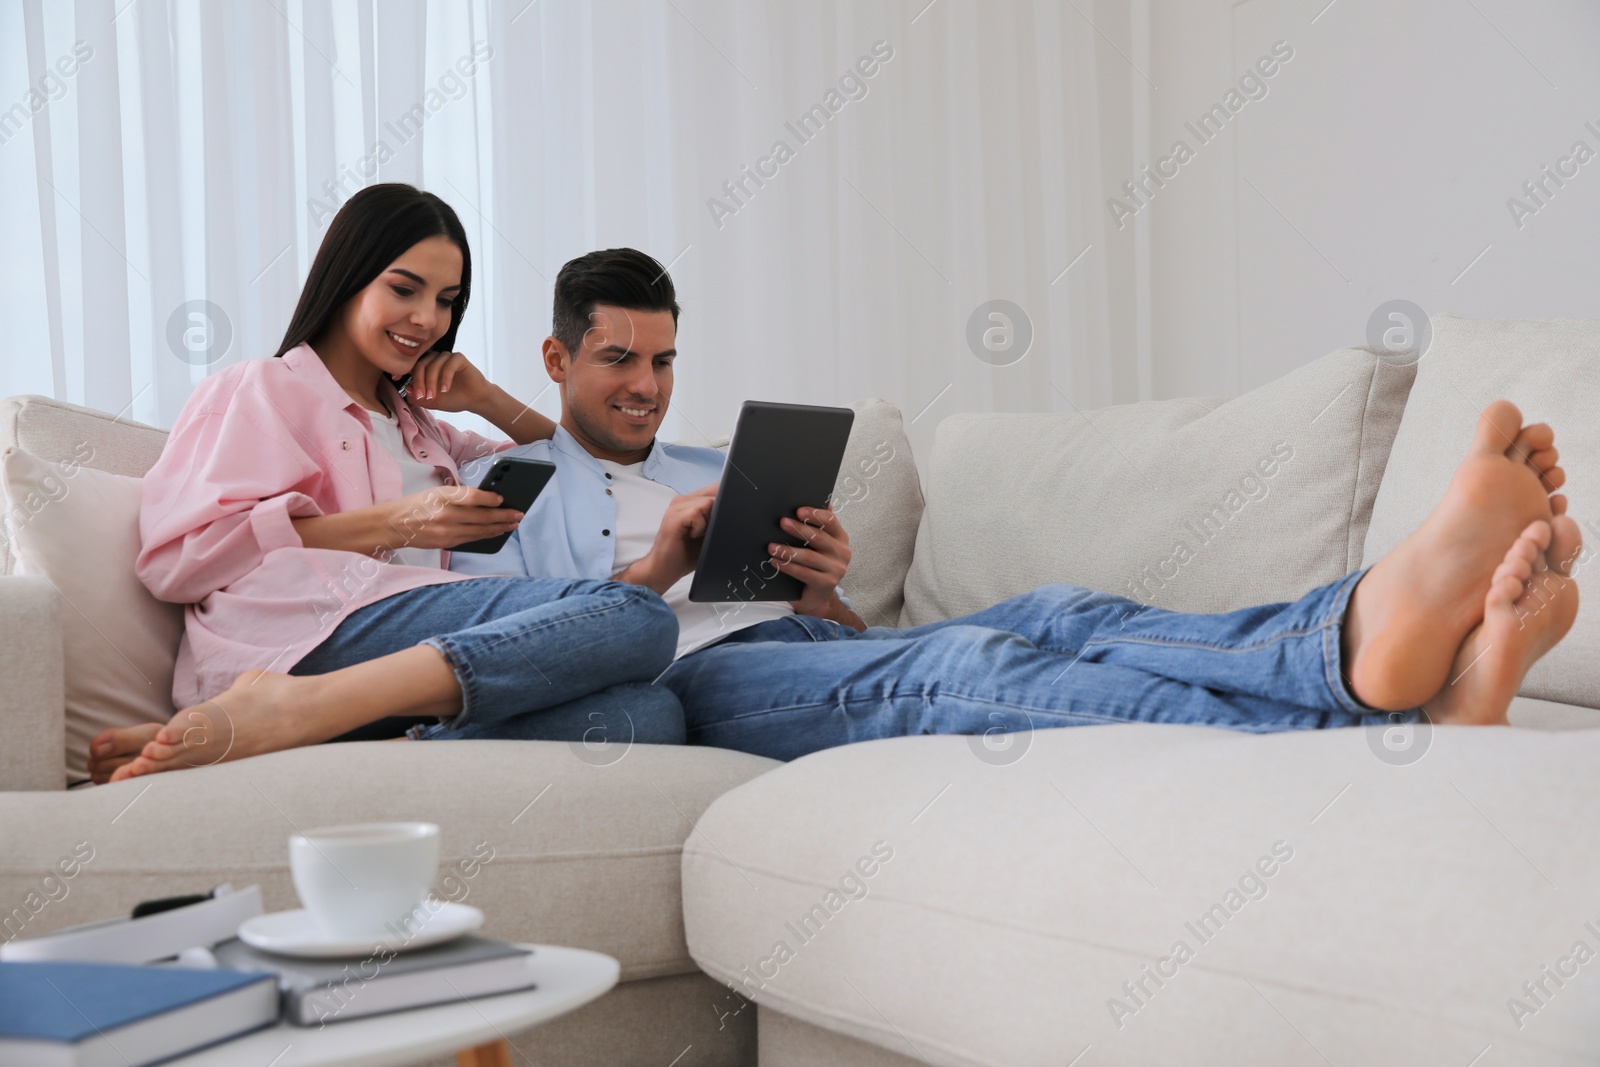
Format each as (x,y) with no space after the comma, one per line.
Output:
(538,659)
(1058,656)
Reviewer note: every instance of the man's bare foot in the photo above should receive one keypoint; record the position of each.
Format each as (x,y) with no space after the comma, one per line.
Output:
(1528,609)
(113,747)
(1410,613)
(261,712)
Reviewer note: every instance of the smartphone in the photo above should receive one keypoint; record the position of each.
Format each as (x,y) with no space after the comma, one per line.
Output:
(519,482)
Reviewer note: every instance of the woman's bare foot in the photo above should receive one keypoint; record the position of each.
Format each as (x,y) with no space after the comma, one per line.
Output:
(1528,609)
(265,712)
(1410,613)
(113,747)
(261,712)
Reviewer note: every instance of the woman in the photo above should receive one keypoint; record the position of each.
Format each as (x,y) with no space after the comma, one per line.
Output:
(303,508)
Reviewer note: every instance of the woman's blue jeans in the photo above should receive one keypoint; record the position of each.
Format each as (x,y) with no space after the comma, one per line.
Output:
(538,659)
(1058,656)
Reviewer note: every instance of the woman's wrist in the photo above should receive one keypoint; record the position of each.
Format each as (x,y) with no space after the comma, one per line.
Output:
(501,410)
(365,530)
(516,420)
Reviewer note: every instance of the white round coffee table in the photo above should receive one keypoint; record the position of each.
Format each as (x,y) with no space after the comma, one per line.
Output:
(567,978)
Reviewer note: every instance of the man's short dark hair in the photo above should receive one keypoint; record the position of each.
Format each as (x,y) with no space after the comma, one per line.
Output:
(620,277)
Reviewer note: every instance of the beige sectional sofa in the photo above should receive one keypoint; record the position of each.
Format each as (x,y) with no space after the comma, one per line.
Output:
(1372,895)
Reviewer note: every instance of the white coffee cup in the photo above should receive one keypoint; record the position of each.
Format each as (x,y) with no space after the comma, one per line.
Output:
(365,879)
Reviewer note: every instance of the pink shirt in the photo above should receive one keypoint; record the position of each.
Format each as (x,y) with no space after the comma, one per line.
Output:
(266,441)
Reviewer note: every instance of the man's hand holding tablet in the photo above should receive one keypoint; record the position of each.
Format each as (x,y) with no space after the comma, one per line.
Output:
(821,565)
(763,533)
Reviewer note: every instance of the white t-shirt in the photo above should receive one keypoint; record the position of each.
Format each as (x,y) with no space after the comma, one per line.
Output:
(641,504)
(415,476)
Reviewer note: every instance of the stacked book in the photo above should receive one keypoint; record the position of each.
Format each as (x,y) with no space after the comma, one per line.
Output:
(123,994)
(318,992)
(74,1014)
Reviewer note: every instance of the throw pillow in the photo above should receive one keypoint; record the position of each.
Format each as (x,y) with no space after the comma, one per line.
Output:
(79,528)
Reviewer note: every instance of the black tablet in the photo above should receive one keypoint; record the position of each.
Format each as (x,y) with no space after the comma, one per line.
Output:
(784,457)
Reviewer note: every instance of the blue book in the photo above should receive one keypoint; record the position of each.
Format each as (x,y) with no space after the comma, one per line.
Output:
(71,1014)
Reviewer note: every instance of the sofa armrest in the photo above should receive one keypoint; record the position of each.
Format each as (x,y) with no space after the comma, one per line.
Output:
(32,686)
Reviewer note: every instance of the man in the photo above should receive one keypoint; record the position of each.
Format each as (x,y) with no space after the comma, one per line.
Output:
(1446,625)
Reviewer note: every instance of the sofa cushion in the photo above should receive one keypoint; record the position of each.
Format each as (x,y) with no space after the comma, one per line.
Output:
(574,849)
(1198,505)
(1335,905)
(58,432)
(79,529)
(1550,368)
(878,499)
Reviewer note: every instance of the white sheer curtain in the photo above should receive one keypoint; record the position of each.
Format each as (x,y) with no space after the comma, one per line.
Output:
(167,168)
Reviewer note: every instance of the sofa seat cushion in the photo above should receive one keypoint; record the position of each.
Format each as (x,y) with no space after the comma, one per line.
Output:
(1197,505)
(1334,905)
(555,842)
(1550,368)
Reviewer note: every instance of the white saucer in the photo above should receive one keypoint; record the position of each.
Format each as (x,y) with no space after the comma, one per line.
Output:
(296,933)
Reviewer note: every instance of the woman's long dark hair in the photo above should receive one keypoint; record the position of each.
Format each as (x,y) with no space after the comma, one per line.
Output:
(372,230)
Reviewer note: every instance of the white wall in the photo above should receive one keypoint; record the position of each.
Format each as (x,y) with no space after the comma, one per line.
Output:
(1378,167)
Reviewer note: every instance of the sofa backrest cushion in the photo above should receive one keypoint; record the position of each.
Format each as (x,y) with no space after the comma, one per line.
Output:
(79,528)
(58,432)
(1196,505)
(878,499)
(1550,368)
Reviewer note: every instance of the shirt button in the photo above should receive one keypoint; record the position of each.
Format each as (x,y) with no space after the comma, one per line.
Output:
(605,533)
(608,492)
(424,455)
(608,476)
(345,445)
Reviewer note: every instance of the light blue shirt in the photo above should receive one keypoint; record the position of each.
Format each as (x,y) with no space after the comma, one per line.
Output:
(570,530)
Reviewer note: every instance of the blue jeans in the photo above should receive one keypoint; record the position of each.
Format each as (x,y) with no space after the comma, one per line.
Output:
(1058,656)
(538,659)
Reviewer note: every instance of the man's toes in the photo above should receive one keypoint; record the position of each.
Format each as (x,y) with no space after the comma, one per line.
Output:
(1498,427)
(1538,532)
(1512,571)
(1542,459)
(1566,541)
(1517,564)
(1534,439)
(1552,477)
(1505,589)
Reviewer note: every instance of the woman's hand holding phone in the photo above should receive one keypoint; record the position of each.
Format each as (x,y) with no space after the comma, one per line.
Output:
(448,515)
